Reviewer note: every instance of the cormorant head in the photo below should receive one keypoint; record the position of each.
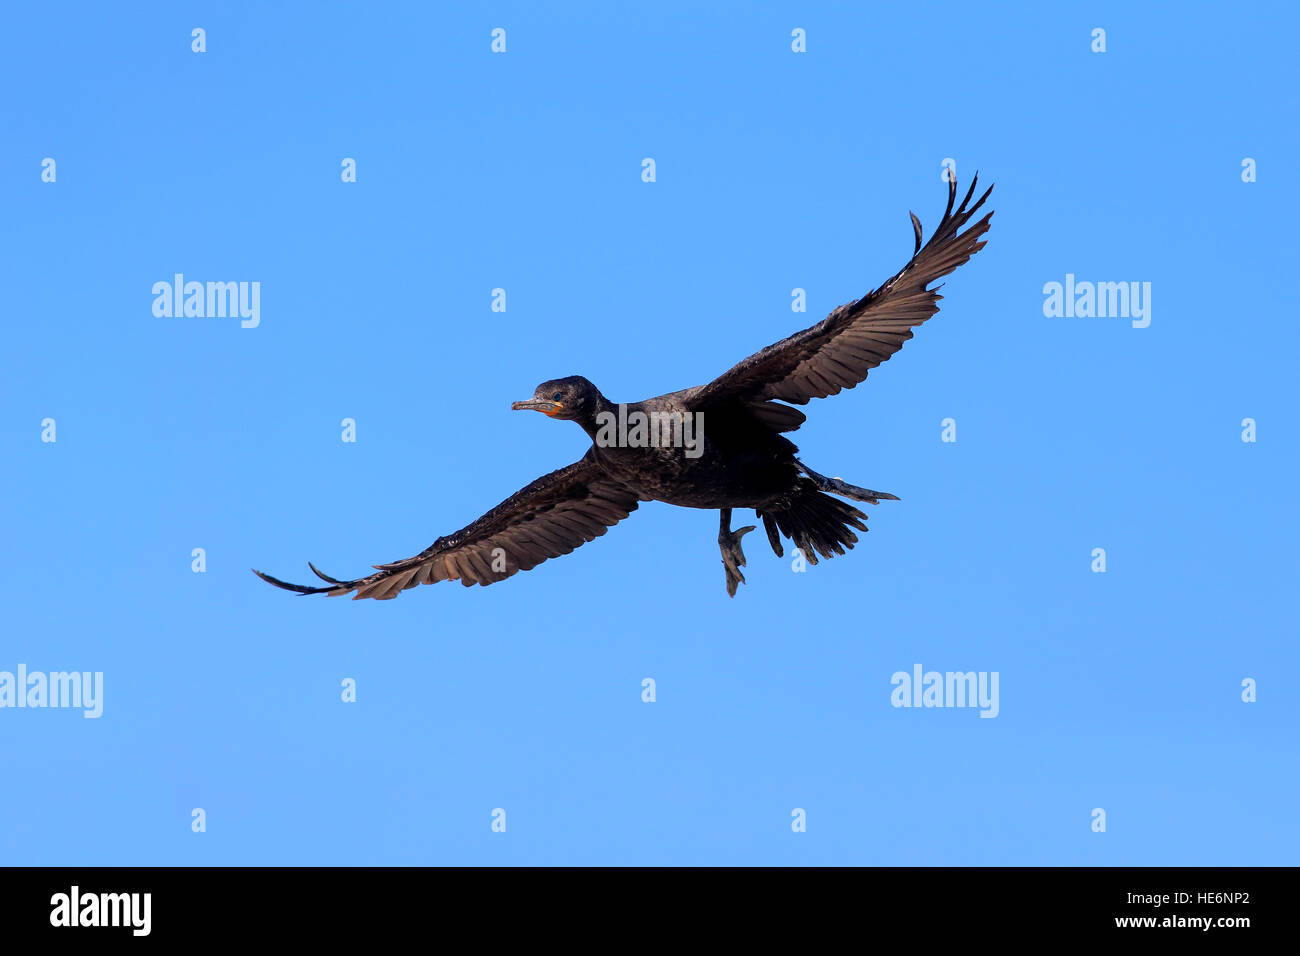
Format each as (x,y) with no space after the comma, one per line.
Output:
(572,398)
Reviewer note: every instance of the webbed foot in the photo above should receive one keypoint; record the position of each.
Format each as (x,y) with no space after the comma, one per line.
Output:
(733,557)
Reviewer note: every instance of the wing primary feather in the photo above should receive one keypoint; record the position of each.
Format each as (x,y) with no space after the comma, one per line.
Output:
(299,588)
(324,577)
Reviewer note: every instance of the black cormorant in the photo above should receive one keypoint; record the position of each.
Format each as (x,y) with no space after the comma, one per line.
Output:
(719,445)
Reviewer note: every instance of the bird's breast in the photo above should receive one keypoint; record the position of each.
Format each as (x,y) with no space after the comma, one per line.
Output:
(707,480)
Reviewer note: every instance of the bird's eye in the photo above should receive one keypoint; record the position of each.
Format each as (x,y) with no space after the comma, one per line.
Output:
(556,396)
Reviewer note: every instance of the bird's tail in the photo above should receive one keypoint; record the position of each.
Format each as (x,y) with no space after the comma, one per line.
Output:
(814,521)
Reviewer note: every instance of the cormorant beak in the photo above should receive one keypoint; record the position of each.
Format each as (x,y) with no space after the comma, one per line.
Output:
(550,409)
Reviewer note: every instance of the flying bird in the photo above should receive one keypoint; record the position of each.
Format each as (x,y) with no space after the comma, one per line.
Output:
(720,445)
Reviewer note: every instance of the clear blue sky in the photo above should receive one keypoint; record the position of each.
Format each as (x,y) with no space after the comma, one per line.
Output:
(522,171)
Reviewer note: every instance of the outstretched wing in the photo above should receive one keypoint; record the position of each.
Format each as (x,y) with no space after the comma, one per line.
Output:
(554,515)
(839,351)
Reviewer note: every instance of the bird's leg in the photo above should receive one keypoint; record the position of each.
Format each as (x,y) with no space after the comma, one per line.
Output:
(733,558)
(845,490)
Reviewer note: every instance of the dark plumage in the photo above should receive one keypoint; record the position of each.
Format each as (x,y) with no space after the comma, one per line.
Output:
(741,460)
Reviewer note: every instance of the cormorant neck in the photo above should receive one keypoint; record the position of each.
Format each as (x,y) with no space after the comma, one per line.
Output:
(589,422)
